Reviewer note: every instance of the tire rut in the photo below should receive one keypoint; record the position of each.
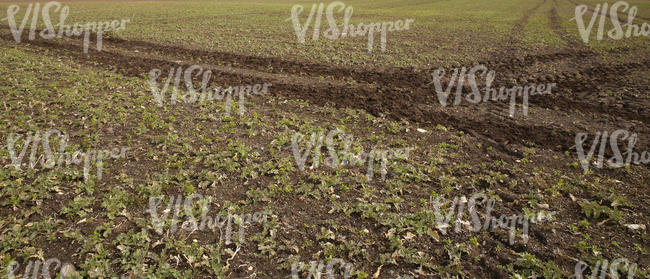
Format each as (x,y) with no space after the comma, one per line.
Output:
(556,26)
(408,78)
(397,104)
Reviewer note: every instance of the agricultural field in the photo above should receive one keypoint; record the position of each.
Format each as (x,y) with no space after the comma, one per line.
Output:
(235,139)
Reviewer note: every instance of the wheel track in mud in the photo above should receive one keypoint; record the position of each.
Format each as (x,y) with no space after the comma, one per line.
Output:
(567,80)
(396,77)
(386,80)
(510,50)
(387,84)
(589,80)
(374,100)
(518,29)
(407,77)
(569,84)
(556,25)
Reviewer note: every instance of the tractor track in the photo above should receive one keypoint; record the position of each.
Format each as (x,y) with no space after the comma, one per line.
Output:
(398,104)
